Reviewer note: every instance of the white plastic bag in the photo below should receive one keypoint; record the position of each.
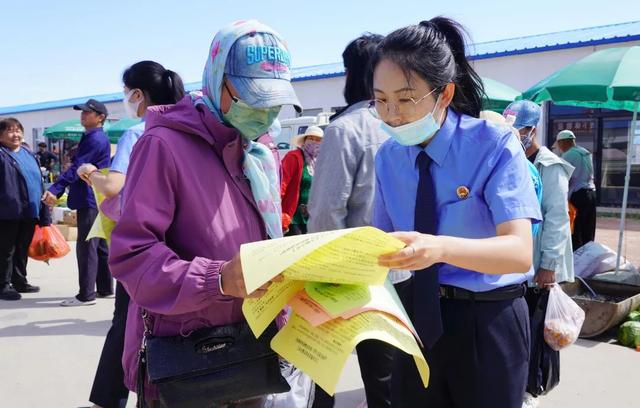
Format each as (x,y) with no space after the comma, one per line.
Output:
(302,393)
(587,259)
(563,320)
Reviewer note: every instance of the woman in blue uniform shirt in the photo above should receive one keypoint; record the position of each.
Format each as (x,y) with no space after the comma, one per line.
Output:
(457,191)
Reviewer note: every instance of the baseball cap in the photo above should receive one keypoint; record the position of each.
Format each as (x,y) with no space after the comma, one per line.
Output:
(259,68)
(92,105)
(526,113)
(565,135)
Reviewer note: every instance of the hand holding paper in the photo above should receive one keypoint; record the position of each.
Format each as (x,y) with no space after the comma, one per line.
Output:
(343,256)
(339,295)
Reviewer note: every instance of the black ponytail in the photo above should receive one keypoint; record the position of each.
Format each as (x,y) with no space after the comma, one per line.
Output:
(160,85)
(357,57)
(435,51)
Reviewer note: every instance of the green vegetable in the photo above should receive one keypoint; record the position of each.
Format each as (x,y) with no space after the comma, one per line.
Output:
(629,334)
(634,316)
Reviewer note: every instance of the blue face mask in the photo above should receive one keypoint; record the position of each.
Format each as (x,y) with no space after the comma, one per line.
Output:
(414,133)
(527,140)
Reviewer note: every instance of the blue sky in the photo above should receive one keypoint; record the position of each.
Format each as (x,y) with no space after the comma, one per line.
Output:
(63,49)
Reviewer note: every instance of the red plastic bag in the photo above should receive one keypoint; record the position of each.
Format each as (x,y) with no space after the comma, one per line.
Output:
(48,243)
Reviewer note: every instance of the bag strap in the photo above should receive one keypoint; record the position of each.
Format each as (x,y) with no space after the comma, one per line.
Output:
(142,360)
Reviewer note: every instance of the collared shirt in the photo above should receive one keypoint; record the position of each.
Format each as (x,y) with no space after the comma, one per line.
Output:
(120,161)
(582,176)
(481,180)
(93,148)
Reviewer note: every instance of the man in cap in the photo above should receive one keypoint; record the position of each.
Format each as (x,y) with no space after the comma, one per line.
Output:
(92,255)
(582,189)
(45,157)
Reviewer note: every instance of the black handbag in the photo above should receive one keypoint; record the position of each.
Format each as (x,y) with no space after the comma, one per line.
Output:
(544,362)
(211,365)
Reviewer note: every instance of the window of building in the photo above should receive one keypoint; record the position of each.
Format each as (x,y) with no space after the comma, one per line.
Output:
(283,142)
(615,133)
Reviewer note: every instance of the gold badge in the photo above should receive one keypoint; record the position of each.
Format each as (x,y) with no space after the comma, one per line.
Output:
(463,192)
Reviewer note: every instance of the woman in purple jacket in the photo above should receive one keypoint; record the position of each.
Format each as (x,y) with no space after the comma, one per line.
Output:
(146,84)
(198,187)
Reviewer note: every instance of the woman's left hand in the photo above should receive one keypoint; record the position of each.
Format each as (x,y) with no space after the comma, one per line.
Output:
(421,252)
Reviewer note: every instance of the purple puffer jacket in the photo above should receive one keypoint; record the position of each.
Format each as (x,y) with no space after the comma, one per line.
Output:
(187,208)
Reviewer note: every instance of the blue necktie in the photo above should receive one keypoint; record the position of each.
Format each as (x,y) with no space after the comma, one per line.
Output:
(426,298)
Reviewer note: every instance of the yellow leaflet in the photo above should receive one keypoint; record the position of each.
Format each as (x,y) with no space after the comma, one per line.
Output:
(343,256)
(263,260)
(350,258)
(102,226)
(321,352)
(260,312)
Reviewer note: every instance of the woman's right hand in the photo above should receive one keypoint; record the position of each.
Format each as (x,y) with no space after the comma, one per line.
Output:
(85,171)
(232,280)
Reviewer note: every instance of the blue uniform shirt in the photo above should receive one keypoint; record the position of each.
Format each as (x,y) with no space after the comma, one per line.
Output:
(129,138)
(468,154)
(93,148)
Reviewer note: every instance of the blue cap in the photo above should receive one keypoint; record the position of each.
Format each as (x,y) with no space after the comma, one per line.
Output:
(259,68)
(526,113)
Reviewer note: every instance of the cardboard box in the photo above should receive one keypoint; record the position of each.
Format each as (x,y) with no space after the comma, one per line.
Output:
(68,232)
(70,217)
(57,214)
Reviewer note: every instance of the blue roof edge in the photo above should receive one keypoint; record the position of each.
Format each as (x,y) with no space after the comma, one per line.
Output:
(576,44)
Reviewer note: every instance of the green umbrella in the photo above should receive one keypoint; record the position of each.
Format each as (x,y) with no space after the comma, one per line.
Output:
(116,130)
(498,95)
(605,79)
(69,129)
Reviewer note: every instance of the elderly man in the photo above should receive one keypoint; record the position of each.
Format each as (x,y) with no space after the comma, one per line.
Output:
(582,189)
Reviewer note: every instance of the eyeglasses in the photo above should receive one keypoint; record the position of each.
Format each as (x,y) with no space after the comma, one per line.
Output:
(406,106)
(233,97)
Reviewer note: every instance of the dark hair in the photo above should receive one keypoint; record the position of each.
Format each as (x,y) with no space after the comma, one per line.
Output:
(8,123)
(357,62)
(435,51)
(161,86)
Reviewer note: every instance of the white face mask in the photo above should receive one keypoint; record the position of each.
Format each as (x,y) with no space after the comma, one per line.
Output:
(414,133)
(130,108)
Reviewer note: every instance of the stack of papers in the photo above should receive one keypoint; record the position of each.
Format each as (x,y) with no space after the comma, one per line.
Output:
(338,296)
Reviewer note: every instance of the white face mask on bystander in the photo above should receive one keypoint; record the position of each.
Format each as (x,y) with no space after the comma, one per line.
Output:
(131,108)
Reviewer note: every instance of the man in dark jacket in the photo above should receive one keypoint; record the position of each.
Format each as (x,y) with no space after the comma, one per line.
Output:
(93,254)
(45,157)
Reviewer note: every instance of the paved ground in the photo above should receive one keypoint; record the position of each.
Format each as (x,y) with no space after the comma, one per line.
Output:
(49,353)
(608,233)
